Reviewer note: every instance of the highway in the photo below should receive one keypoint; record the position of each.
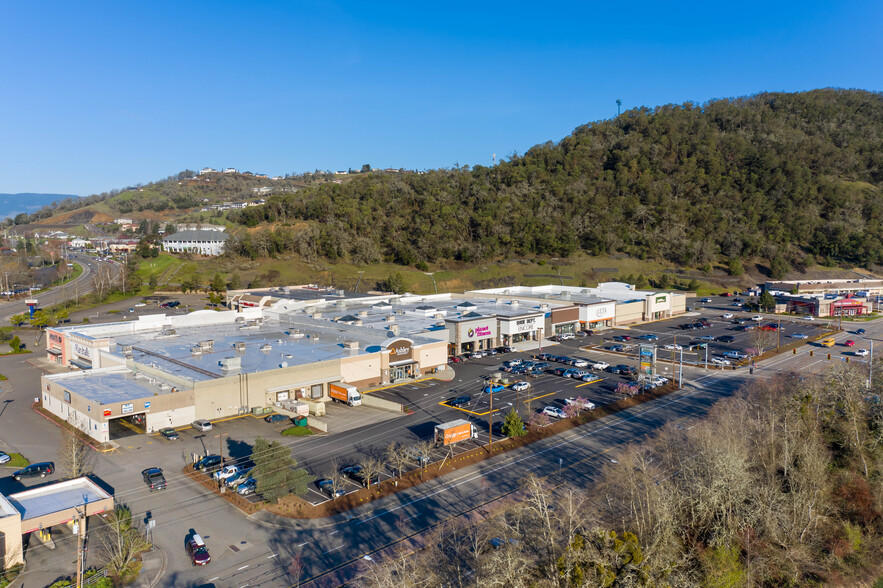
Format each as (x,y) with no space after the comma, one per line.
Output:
(78,287)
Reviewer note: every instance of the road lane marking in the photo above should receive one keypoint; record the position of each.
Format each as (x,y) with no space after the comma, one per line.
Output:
(242,568)
(335,549)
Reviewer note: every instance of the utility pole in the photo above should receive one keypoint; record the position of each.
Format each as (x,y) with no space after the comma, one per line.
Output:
(81,532)
(220,437)
(618,106)
(490,419)
(681,371)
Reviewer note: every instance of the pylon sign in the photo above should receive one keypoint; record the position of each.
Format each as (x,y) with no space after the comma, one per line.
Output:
(647,355)
(32,306)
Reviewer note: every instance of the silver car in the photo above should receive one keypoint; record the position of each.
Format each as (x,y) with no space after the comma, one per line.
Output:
(202,425)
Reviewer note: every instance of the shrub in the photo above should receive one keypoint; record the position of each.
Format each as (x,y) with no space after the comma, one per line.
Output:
(297,432)
(17,461)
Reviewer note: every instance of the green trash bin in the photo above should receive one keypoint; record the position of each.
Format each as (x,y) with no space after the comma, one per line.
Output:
(300,421)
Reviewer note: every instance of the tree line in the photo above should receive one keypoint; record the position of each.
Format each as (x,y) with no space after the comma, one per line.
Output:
(790,178)
(779,486)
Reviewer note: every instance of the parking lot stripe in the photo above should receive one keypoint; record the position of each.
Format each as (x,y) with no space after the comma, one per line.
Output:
(587,383)
(543,396)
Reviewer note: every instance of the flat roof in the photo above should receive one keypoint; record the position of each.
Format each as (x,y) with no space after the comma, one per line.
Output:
(297,292)
(56,497)
(274,344)
(6,508)
(110,385)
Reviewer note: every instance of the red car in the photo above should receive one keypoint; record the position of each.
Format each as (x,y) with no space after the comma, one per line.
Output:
(849,343)
(196,549)
(769,328)
(454,359)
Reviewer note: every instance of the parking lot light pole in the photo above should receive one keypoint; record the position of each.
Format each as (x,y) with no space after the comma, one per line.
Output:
(220,437)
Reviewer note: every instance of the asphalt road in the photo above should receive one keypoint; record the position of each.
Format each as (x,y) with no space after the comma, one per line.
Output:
(57,294)
(260,550)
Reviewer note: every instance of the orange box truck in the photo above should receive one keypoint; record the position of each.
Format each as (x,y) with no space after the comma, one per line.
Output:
(454,432)
(345,393)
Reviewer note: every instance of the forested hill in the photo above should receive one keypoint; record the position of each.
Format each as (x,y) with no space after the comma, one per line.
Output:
(771,175)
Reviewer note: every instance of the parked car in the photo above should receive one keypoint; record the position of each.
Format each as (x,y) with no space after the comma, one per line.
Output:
(622,338)
(42,469)
(235,480)
(727,315)
(327,487)
(512,363)
(505,349)
(809,317)
(196,550)
(859,331)
(209,463)
(673,347)
(170,304)
(769,328)
(202,425)
(735,355)
(491,351)
(454,359)
(849,343)
(757,317)
(226,472)
(625,370)
(460,400)
(861,352)
(554,412)
(590,378)
(600,365)
(520,386)
(275,418)
(648,337)
(720,361)
(659,380)
(4,457)
(706,300)
(580,402)
(707,338)
(169,433)
(154,479)
(579,374)
(580,363)
(571,373)
(798,336)
(618,348)
(247,487)
(726,339)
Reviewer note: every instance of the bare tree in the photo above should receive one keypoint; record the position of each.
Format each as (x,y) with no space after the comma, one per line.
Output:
(761,340)
(423,450)
(396,456)
(338,479)
(77,458)
(372,466)
(121,542)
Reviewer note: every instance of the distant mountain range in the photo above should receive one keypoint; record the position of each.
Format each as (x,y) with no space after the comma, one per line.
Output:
(13,204)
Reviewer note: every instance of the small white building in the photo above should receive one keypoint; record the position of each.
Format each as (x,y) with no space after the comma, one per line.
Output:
(201,242)
(207,170)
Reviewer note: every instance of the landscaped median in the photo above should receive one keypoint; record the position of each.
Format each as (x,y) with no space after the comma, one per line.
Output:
(292,506)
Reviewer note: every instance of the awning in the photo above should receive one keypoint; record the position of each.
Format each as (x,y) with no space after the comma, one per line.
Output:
(403,362)
(83,365)
(55,352)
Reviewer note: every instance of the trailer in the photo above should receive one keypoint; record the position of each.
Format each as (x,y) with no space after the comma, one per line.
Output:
(345,393)
(454,432)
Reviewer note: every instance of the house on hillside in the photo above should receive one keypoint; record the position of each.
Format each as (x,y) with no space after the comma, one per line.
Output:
(201,242)
(207,170)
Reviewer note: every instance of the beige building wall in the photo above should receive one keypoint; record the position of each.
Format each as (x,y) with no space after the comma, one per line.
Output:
(10,540)
(628,313)
(363,371)
(431,356)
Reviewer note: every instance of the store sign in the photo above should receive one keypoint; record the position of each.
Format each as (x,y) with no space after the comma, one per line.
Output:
(660,299)
(280,396)
(127,408)
(146,405)
(399,349)
(480,332)
(107,412)
(82,350)
(55,338)
(526,325)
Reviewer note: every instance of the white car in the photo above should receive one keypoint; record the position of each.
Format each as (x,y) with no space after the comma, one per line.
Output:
(809,317)
(659,381)
(140,304)
(579,363)
(520,386)
(225,472)
(673,347)
(735,355)
(861,352)
(757,317)
(720,361)
(580,402)
(727,315)
(555,412)
(590,378)
(4,457)
(600,365)
(202,425)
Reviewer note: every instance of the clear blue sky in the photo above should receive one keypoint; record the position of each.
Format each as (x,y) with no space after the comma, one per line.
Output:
(100,95)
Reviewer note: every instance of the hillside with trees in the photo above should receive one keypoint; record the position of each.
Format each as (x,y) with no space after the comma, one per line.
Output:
(792,179)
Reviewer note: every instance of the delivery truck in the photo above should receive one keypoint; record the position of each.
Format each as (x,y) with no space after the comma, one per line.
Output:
(345,393)
(454,432)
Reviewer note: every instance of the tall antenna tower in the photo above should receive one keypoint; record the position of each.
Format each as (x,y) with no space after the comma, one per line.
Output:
(618,106)
(495,160)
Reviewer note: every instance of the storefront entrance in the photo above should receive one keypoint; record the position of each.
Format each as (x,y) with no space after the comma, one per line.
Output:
(400,372)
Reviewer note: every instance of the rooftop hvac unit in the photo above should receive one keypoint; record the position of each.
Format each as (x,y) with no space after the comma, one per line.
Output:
(390,319)
(394,329)
(266,347)
(358,323)
(207,344)
(440,324)
(230,363)
(438,315)
(351,345)
(196,351)
(363,313)
(168,332)
(316,315)
(239,319)
(239,346)
(126,348)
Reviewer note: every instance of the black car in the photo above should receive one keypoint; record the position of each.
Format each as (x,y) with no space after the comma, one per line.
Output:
(860,332)
(327,487)
(356,474)
(623,369)
(169,433)
(460,400)
(42,469)
(154,479)
(275,418)
(209,463)
(726,339)
(615,348)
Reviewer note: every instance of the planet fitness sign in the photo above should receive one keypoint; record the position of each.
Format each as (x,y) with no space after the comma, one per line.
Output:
(482,332)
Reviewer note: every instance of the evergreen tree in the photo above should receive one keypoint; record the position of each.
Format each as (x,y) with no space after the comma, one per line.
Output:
(513,426)
(275,473)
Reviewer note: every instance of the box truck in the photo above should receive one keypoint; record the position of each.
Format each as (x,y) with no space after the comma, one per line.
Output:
(345,393)
(453,432)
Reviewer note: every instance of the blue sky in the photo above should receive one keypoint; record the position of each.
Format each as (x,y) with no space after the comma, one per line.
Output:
(100,95)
